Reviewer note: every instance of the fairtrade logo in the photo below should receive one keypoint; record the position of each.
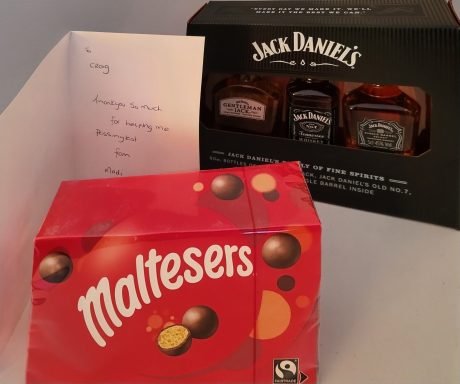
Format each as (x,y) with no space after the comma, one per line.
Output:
(285,371)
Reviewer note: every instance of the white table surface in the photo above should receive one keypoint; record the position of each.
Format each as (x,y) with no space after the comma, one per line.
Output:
(390,296)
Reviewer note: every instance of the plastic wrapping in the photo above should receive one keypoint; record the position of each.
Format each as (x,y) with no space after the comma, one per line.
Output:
(209,276)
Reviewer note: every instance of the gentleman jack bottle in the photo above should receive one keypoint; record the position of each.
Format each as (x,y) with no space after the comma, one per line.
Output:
(247,103)
(381,117)
(313,110)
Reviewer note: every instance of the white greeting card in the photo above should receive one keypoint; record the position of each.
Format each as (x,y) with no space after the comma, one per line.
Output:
(99,105)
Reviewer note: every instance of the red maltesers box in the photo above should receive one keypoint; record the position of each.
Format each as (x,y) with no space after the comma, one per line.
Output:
(205,277)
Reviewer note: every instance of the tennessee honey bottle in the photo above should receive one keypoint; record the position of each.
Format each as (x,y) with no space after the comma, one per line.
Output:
(382,118)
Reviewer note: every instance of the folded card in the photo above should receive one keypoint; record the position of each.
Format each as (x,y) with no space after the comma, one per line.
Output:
(99,105)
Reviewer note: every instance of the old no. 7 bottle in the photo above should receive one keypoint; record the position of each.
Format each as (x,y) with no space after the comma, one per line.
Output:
(313,110)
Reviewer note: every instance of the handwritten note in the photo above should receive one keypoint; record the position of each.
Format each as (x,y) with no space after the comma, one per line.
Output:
(135,103)
(99,105)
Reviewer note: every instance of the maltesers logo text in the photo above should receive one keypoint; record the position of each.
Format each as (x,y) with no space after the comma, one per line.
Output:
(299,42)
(105,304)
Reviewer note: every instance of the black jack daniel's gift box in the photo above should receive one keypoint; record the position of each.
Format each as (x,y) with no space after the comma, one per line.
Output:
(366,94)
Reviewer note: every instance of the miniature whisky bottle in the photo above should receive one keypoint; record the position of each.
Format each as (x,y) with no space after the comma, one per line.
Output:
(313,110)
(381,117)
(246,103)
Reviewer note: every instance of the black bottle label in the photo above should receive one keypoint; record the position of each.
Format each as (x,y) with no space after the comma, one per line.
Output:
(381,134)
(311,126)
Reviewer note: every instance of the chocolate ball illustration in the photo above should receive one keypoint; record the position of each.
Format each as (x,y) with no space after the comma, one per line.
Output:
(174,340)
(271,196)
(227,187)
(55,267)
(281,250)
(201,320)
(286,283)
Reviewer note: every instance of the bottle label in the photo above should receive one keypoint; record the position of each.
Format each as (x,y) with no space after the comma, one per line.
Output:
(311,126)
(243,108)
(381,134)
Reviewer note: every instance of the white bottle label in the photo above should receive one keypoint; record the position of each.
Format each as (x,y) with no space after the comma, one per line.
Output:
(242,108)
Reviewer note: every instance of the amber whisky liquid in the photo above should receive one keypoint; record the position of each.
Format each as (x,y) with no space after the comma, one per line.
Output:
(246,103)
(313,110)
(381,117)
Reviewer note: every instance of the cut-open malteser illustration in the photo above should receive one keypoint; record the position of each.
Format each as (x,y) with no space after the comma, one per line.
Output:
(198,322)
(174,340)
